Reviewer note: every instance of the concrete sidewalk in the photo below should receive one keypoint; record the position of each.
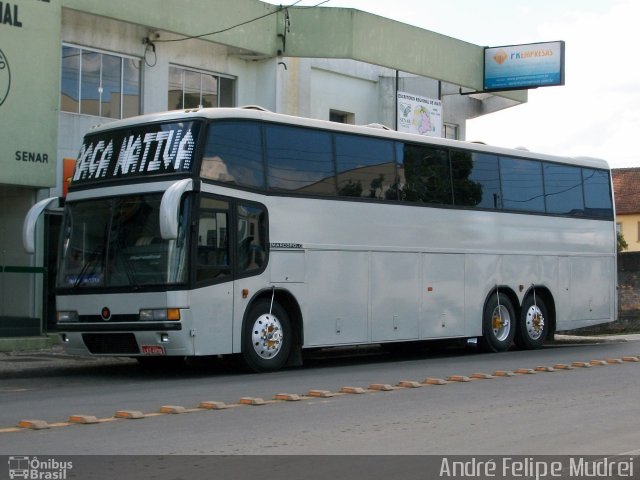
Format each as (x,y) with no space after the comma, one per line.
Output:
(22,344)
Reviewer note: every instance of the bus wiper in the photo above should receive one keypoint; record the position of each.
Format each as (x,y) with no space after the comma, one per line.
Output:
(129,269)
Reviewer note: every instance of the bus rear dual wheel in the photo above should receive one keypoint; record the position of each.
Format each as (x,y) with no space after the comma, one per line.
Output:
(266,337)
(501,327)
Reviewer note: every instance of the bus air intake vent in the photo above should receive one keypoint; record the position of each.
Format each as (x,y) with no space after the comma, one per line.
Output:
(111,343)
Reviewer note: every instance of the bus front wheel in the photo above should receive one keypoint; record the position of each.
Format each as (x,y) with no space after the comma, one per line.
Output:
(533,325)
(498,324)
(267,337)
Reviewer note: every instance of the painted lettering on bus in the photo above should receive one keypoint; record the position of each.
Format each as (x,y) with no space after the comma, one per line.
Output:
(151,152)
(286,245)
(9,15)
(35,157)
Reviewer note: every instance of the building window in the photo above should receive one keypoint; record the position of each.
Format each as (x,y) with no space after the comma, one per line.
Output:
(342,117)
(196,89)
(100,84)
(451,131)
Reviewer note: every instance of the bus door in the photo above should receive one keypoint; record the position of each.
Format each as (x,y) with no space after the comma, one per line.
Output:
(212,298)
(230,247)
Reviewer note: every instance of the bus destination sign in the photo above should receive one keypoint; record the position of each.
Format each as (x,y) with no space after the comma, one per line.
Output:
(136,152)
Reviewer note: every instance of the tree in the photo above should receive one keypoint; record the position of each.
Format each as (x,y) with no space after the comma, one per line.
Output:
(622,244)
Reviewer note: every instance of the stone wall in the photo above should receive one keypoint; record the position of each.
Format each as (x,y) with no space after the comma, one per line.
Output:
(628,298)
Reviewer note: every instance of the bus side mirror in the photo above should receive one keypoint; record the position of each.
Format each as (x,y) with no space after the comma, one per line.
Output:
(29,225)
(170,206)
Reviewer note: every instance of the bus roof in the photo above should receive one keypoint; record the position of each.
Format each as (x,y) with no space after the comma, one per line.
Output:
(374,130)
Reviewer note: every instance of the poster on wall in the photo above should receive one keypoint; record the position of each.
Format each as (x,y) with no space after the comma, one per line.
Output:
(419,115)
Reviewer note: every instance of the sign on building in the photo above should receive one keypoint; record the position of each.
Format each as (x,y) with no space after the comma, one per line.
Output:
(419,115)
(524,66)
(30,39)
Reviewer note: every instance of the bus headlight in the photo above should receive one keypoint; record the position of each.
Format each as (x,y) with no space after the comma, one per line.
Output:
(159,314)
(67,316)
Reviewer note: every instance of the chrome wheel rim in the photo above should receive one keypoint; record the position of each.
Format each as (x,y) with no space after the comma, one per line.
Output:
(266,336)
(501,323)
(534,322)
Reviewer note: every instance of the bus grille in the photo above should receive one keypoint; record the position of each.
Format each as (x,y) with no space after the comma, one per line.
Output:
(111,343)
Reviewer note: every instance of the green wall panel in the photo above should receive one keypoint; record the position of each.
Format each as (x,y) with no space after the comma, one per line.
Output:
(29,91)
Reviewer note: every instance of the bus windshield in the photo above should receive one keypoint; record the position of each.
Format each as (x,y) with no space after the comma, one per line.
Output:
(116,242)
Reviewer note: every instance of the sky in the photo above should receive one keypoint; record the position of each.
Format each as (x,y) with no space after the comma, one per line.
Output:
(596,113)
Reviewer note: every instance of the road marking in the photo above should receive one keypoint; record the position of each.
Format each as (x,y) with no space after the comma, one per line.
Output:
(33,424)
(482,376)
(254,401)
(409,384)
(129,414)
(209,405)
(562,366)
(524,371)
(287,397)
(172,409)
(37,424)
(542,368)
(353,390)
(83,419)
(321,393)
(581,364)
(435,381)
(381,387)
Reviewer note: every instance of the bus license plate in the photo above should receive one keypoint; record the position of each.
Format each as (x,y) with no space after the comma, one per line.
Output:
(153,349)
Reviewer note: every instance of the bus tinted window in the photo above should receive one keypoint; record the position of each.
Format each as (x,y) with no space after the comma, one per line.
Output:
(476,179)
(213,258)
(233,154)
(563,189)
(522,188)
(252,238)
(425,174)
(597,193)
(300,160)
(366,166)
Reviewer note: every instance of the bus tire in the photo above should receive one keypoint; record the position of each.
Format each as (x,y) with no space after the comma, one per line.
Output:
(267,337)
(498,324)
(533,324)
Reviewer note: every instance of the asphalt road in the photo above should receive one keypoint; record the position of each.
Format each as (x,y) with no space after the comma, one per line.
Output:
(583,411)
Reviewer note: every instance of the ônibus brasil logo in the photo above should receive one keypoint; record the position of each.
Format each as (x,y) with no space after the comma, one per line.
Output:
(34,468)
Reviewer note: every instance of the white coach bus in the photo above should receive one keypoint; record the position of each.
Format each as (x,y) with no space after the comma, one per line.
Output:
(222,231)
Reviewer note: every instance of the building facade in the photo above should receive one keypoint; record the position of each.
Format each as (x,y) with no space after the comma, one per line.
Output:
(67,65)
(626,188)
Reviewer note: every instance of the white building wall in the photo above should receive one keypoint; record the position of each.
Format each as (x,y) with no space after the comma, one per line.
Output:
(333,91)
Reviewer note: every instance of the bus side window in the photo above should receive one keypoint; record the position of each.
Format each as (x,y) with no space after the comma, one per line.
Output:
(252,228)
(212,260)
